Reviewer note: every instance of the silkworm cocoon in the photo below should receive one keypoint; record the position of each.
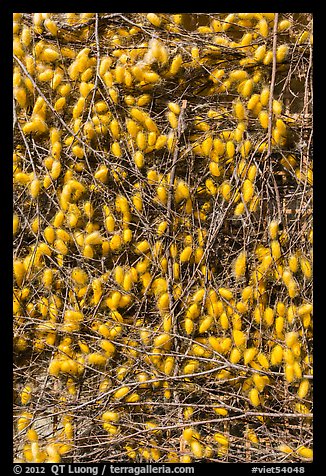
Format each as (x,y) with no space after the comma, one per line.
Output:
(293,263)
(189,326)
(214,169)
(283,25)
(276,355)
(132,127)
(226,344)
(235,355)
(262,27)
(263,119)
(206,324)
(110,416)
(197,449)
(88,251)
(127,282)
(173,119)
(37,125)
(151,77)
(175,64)
(108,347)
(78,151)
(121,393)
(254,397)
(119,275)
(85,89)
(210,186)
(292,288)
(260,53)
(226,190)
(249,355)
(186,254)
(160,142)
(239,110)
(273,229)
(193,311)
(141,140)
(142,247)
(47,278)
(188,434)
(96,359)
(291,338)
(56,150)
(247,190)
(19,271)
(303,37)
(246,88)
(279,324)
(276,250)
(277,107)
(93,238)
(119,73)
(281,53)
(115,128)
(151,139)
(230,149)
(104,65)
(162,340)
(162,228)
(254,203)
(289,373)
(139,159)
(305,267)
(305,452)
(269,316)
(297,370)
(281,127)
(26,395)
(263,360)
(207,145)
(252,171)
(280,308)
(238,75)
(137,201)
(199,295)
(51,26)
(114,94)
(46,75)
(116,149)
(239,266)
(115,242)
(24,420)
(167,323)
(32,435)
(246,293)
(303,388)
(59,104)
(221,439)
(20,96)
(252,102)
(239,338)
(224,321)
(305,309)
(191,367)
(264,96)
(225,293)
(154,19)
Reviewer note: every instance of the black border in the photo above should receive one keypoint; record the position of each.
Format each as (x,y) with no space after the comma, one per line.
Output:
(6,209)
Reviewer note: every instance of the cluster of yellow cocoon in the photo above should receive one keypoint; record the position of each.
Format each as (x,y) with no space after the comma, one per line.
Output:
(113,268)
